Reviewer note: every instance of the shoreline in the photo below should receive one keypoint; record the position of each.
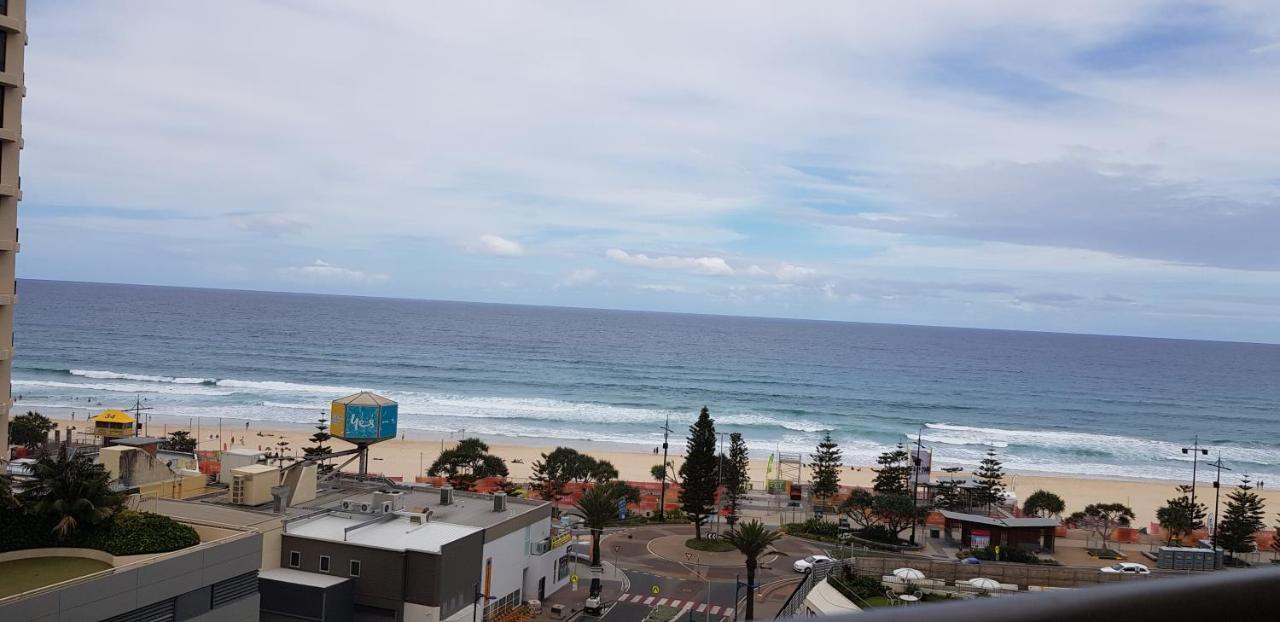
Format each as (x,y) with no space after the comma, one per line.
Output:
(415,450)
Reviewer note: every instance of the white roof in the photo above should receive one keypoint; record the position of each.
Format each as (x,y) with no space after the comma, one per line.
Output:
(397,534)
(245,451)
(288,575)
(824,599)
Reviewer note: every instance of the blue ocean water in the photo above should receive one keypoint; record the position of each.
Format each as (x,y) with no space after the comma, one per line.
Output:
(1047,402)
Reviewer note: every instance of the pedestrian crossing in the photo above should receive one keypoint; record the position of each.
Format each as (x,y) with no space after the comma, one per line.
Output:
(642,599)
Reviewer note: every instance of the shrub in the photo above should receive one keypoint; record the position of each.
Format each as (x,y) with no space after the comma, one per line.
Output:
(878,533)
(136,533)
(707,544)
(814,529)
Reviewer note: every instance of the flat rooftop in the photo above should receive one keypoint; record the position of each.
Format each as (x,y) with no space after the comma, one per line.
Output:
(299,577)
(470,509)
(396,534)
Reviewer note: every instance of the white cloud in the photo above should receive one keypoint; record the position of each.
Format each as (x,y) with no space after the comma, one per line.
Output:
(581,276)
(322,271)
(712,266)
(490,244)
(787,273)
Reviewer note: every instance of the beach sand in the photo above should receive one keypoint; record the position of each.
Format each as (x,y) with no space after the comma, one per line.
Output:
(408,456)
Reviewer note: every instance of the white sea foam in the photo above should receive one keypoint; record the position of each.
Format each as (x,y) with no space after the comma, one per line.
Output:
(112,375)
(291,387)
(127,387)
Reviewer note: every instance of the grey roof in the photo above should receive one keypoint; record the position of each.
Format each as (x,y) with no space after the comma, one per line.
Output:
(470,509)
(136,441)
(289,575)
(1000,522)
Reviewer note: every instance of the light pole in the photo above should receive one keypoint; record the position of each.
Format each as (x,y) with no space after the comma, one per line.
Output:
(915,482)
(1217,492)
(1196,451)
(662,499)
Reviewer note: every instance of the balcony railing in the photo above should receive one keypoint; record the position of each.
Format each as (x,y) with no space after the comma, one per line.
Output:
(1224,595)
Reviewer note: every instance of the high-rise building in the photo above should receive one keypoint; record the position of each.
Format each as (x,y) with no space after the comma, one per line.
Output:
(13,40)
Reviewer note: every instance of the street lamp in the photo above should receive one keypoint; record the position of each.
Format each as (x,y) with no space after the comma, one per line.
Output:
(1196,451)
(662,499)
(1217,492)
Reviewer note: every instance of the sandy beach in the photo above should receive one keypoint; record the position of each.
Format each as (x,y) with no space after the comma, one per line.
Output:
(409,455)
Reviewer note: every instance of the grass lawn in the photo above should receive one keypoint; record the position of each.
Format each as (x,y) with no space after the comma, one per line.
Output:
(713,546)
(662,613)
(27,574)
(877,601)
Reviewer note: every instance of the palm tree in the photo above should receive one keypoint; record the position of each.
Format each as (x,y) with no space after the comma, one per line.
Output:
(597,507)
(73,490)
(752,539)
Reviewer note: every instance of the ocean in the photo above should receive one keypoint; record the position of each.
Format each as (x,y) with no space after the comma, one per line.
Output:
(1058,403)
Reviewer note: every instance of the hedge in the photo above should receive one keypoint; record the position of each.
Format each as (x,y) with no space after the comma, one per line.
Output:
(127,533)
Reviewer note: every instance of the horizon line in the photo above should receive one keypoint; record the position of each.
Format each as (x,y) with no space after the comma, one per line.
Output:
(623,310)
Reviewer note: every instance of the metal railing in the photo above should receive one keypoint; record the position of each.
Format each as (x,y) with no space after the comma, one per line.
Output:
(1236,595)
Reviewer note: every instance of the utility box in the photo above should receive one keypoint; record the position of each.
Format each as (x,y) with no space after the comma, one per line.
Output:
(251,485)
(1189,558)
(557,612)
(235,458)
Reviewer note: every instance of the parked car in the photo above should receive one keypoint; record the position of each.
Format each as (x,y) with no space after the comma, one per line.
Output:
(806,565)
(1126,568)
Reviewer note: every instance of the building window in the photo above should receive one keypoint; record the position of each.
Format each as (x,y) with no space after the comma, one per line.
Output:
(355,567)
(295,559)
(324,563)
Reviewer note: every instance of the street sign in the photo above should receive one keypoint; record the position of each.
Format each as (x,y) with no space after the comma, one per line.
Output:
(573,578)
(622,508)
(653,589)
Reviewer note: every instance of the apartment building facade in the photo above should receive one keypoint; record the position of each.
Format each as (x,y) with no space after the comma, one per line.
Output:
(13,42)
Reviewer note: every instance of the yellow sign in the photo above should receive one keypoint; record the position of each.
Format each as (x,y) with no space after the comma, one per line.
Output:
(561,539)
(654,589)
(573,578)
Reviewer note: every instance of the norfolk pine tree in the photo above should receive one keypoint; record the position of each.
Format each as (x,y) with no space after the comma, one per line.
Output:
(698,473)
(825,466)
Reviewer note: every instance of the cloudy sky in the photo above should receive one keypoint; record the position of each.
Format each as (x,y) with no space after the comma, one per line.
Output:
(1084,166)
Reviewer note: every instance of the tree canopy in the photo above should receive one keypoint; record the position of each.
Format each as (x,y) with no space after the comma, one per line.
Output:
(698,480)
(1179,517)
(181,440)
(1241,519)
(989,480)
(71,489)
(467,462)
(1102,518)
(752,539)
(30,430)
(825,463)
(563,465)
(735,474)
(894,475)
(1043,503)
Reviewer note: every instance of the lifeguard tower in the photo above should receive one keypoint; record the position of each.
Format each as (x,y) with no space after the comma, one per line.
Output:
(363,419)
(114,424)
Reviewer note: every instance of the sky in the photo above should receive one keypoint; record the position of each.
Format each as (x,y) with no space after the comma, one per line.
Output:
(1102,167)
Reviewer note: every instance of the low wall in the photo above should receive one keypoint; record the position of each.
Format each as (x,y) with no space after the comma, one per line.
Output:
(93,554)
(1023,575)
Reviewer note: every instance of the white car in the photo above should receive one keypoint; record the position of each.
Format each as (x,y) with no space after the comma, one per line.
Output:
(806,565)
(1126,568)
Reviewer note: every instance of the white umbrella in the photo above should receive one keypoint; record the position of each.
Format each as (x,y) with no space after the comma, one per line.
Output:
(984,583)
(908,574)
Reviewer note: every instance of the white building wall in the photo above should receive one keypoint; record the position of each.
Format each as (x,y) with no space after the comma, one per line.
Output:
(509,556)
(421,613)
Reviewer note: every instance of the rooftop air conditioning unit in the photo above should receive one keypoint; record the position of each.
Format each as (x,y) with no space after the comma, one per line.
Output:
(364,507)
(499,502)
(346,505)
(446,495)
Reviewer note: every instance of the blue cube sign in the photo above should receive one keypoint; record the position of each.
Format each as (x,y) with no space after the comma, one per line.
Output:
(360,422)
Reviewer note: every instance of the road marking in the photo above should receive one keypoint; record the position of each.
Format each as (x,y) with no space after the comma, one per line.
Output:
(675,603)
(702,607)
(649,600)
(662,602)
(715,610)
(728,612)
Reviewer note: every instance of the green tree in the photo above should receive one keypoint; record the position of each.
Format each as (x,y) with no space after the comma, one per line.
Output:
(319,452)
(598,507)
(660,471)
(825,465)
(896,512)
(736,475)
(72,490)
(1179,517)
(989,480)
(180,440)
(859,506)
(1044,504)
(894,475)
(602,470)
(698,473)
(752,539)
(30,430)
(947,494)
(7,500)
(1241,519)
(469,461)
(1102,518)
